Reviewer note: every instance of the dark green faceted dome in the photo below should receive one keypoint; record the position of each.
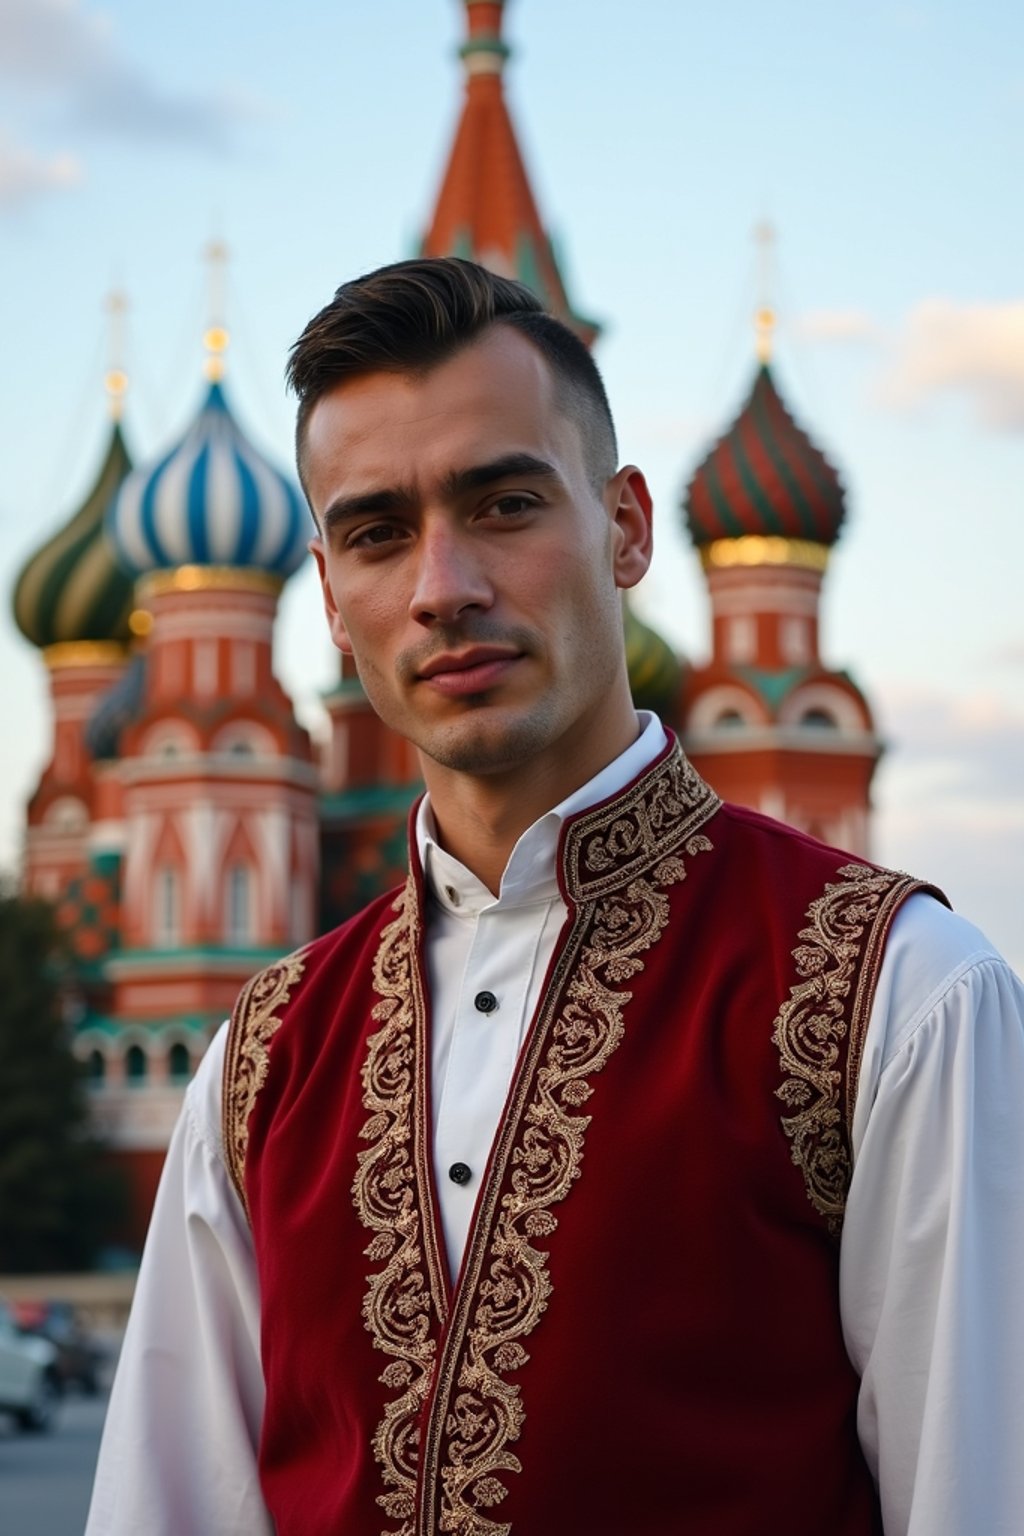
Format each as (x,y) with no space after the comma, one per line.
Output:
(72,588)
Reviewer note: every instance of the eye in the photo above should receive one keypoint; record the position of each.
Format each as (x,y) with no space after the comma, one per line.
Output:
(374,536)
(513,503)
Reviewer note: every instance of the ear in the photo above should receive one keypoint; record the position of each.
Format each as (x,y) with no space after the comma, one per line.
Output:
(631,511)
(339,634)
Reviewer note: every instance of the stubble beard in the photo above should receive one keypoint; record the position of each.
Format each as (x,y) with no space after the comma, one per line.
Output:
(487,737)
(481,747)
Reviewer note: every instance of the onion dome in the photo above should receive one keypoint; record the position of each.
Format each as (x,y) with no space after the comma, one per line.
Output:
(73,589)
(655,671)
(118,708)
(765,477)
(212,500)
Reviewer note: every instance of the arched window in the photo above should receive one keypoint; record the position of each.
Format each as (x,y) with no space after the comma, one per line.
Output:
(239,904)
(741,639)
(67,815)
(136,1067)
(795,640)
(179,1063)
(96,1069)
(167,926)
(819,719)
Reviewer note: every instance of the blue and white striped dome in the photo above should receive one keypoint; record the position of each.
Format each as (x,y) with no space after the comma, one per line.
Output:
(213,500)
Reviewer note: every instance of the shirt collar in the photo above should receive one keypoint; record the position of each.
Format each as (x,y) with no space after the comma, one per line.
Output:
(530,872)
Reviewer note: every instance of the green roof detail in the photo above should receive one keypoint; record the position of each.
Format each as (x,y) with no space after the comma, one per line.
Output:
(773,686)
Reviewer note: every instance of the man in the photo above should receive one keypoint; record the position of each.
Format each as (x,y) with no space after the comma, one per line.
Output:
(523,1202)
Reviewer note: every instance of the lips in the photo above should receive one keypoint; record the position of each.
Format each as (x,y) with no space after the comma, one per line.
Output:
(471,671)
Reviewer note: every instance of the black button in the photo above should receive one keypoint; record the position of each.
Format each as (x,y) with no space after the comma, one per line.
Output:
(486,1002)
(460,1173)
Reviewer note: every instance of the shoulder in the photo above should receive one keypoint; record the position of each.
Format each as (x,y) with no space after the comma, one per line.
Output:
(776,846)
(944,993)
(931,954)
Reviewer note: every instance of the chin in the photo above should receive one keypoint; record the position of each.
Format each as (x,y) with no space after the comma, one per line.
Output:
(477,745)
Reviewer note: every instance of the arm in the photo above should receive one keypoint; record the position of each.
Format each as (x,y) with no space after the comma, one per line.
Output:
(932,1264)
(178,1456)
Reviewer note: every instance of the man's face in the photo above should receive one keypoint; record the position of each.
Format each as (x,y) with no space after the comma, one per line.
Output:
(468,564)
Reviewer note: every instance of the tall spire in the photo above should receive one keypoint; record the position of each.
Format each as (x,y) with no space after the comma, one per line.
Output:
(485,210)
(116,380)
(215,337)
(765,317)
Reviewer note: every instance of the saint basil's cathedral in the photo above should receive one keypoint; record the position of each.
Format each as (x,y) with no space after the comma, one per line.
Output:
(188,829)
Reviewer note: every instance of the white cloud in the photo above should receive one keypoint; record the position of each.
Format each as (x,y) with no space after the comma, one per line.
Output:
(52,42)
(952,804)
(1011,655)
(25,175)
(837,325)
(971,747)
(68,56)
(974,350)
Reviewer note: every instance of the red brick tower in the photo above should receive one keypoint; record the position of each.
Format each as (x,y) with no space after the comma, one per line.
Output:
(764,719)
(208,775)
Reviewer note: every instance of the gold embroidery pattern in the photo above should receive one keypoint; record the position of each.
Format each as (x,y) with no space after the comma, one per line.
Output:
(618,863)
(397,1306)
(254,1022)
(542,1138)
(607,846)
(838,962)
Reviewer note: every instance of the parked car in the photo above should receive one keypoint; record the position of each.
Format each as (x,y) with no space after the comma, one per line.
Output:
(29,1383)
(79,1357)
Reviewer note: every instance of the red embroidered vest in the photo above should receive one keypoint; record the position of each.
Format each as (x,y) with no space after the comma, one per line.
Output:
(644,1338)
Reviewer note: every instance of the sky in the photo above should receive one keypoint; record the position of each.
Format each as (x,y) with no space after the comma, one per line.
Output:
(883,142)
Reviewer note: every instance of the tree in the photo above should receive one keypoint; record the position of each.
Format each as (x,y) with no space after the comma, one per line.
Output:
(56,1196)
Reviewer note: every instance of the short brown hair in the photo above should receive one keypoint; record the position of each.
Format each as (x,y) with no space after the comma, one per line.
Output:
(413,315)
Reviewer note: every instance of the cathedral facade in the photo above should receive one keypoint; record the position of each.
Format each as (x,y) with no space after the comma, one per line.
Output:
(185,826)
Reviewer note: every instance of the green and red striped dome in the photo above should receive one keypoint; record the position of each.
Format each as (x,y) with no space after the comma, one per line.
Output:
(764,476)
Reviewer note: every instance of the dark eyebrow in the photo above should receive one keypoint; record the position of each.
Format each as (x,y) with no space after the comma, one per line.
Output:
(509,467)
(368,504)
(457,483)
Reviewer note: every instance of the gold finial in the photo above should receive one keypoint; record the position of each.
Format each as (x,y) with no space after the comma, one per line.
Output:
(116,380)
(215,338)
(764,316)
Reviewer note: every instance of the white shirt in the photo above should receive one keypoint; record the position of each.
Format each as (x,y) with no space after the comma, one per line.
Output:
(932,1255)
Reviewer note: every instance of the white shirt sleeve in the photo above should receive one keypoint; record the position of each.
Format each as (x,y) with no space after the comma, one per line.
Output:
(178,1456)
(932,1261)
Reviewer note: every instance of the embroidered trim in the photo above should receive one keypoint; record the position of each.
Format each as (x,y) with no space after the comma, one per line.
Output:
(477,1414)
(605,847)
(254,1022)
(618,863)
(390,1190)
(838,961)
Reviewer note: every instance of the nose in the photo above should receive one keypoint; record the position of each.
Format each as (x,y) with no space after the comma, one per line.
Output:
(450,574)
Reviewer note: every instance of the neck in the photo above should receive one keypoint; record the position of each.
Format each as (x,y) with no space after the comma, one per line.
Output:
(480,818)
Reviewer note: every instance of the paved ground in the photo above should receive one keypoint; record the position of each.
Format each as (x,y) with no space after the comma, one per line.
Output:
(45,1480)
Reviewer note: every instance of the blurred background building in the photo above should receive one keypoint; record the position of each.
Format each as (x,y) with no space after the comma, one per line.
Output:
(188,829)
